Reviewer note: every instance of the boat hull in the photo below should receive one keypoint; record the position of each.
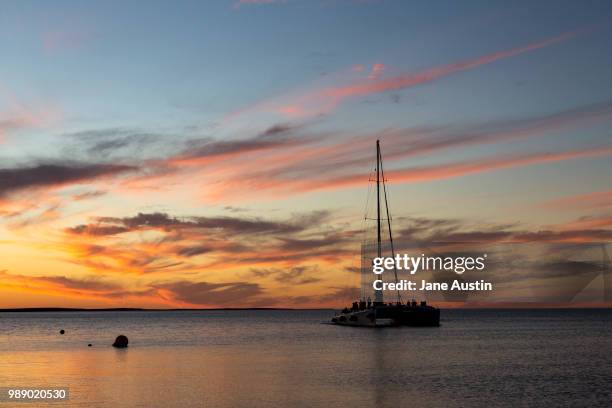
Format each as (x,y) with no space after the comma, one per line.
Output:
(383,316)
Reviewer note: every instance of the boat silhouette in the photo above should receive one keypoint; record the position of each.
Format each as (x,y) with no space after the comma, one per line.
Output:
(377,313)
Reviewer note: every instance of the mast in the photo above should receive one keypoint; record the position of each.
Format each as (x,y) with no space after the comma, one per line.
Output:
(378,295)
(380,177)
(378,241)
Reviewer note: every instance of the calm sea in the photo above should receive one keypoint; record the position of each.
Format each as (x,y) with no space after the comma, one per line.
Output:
(547,358)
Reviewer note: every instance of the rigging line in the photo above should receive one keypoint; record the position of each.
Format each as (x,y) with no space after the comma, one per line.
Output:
(364,232)
(365,216)
(399,297)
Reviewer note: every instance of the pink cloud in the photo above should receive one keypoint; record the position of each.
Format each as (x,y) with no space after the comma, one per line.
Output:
(589,201)
(256,182)
(17,115)
(337,94)
(589,223)
(377,70)
(326,99)
(300,161)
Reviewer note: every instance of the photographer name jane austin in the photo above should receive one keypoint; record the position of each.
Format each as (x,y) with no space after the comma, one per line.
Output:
(414,263)
(425,285)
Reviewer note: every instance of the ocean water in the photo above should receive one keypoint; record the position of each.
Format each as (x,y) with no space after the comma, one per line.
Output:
(477,358)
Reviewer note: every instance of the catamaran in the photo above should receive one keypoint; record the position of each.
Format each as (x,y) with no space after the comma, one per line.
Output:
(378,313)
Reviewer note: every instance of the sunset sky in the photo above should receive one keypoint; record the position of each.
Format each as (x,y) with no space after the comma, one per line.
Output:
(217,154)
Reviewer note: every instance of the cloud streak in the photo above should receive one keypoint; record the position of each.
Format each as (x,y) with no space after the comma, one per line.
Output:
(158,242)
(163,221)
(233,270)
(54,175)
(211,294)
(293,161)
(206,151)
(19,116)
(91,288)
(275,182)
(324,100)
(589,201)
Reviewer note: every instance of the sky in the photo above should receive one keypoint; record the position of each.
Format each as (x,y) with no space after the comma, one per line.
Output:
(217,154)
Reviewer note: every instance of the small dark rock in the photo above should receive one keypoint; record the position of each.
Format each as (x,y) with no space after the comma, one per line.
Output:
(62,331)
(89,345)
(121,341)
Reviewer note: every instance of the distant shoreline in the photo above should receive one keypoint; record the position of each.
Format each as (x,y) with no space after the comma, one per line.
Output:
(135,309)
(128,309)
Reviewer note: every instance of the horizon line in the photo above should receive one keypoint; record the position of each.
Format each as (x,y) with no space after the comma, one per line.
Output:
(136,309)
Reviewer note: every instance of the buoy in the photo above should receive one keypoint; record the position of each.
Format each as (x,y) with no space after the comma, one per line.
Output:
(121,341)
(62,331)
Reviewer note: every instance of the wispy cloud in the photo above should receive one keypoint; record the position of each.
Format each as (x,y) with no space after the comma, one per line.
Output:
(590,222)
(209,294)
(427,234)
(324,100)
(281,183)
(376,71)
(17,115)
(73,287)
(87,195)
(589,201)
(159,242)
(228,225)
(293,159)
(290,259)
(46,175)
(444,171)
(117,143)
(205,151)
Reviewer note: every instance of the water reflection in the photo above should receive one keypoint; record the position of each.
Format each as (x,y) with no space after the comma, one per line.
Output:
(289,359)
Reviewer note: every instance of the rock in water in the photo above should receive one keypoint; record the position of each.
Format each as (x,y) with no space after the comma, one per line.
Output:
(121,341)
(62,331)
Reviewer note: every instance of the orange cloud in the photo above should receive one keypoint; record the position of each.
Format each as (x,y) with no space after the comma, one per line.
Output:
(161,243)
(260,270)
(101,292)
(589,223)
(590,201)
